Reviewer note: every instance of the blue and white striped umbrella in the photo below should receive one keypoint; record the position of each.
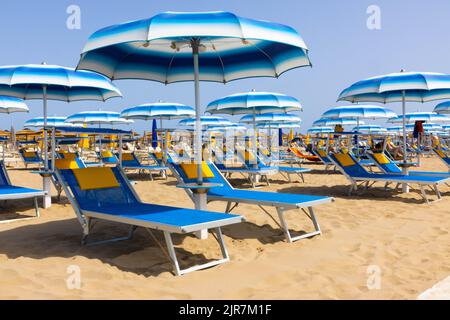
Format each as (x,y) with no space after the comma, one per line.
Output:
(12,104)
(97,118)
(271,117)
(396,129)
(442,108)
(206,121)
(278,125)
(333,122)
(318,130)
(160,110)
(417,87)
(52,122)
(50,82)
(161,48)
(446,127)
(197,46)
(359,112)
(61,83)
(370,128)
(234,127)
(254,103)
(399,87)
(426,126)
(412,117)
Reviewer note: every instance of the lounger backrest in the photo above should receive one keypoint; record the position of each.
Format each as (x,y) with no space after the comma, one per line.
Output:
(29,155)
(385,163)
(216,177)
(322,154)
(349,164)
(107,157)
(129,160)
(89,199)
(4,180)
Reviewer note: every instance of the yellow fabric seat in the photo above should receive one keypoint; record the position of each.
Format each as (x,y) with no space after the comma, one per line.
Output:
(64,164)
(107,154)
(95,178)
(322,153)
(190,170)
(381,158)
(344,159)
(127,157)
(30,154)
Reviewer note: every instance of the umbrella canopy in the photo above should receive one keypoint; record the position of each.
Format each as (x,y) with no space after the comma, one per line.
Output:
(426,126)
(254,103)
(206,121)
(61,83)
(399,87)
(52,82)
(420,116)
(442,108)
(271,117)
(359,112)
(416,86)
(161,48)
(198,46)
(317,130)
(97,118)
(370,129)
(12,104)
(52,122)
(396,129)
(160,110)
(231,128)
(333,122)
(279,125)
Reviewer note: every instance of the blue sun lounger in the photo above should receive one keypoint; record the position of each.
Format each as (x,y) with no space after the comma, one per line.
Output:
(30,157)
(387,165)
(356,173)
(131,162)
(10,192)
(443,155)
(233,197)
(283,170)
(107,157)
(322,155)
(248,173)
(104,193)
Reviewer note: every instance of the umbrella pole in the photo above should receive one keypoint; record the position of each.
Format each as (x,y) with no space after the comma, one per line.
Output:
(198,130)
(405,187)
(46,179)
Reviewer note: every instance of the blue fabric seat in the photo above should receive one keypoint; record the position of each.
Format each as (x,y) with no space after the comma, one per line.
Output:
(121,204)
(281,201)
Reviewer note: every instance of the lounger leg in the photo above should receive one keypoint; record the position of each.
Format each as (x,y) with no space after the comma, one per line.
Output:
(36,206)
(227,209)
(438,194)
(97,243)
(424,195)
(173,256)
(287,233)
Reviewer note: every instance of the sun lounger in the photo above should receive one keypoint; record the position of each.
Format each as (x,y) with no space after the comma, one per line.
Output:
(282,202)
(323,156)
(104,193)
(248,173)
(10,192)
(356,173)
(131,162)
(107,157)
(30,157)
(298,153)
(443,155)
(387,165)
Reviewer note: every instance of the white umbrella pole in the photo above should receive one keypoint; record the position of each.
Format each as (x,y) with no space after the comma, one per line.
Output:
(405,187)
(46,180)
(198,129)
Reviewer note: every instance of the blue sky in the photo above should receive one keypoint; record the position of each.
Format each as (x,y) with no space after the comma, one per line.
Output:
(414,36)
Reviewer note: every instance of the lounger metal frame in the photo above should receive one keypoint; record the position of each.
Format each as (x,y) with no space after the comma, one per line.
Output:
(365,181)
(281,207)
(34,195)
(86,218)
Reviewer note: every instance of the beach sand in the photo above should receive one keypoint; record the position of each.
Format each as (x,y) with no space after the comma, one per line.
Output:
(398,235)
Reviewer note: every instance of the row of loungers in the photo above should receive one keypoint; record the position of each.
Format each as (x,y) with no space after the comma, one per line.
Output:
(104,193)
